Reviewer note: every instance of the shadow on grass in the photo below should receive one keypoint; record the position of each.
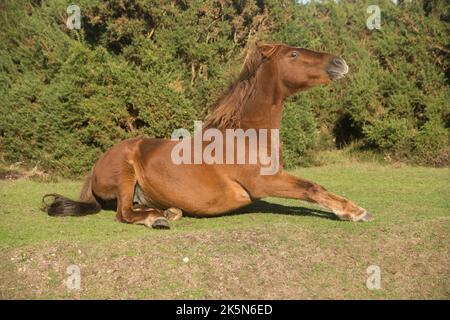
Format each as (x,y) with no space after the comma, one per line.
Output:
(267,207)
(259,206)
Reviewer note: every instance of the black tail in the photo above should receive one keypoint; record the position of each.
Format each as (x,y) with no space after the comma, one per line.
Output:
(62,206)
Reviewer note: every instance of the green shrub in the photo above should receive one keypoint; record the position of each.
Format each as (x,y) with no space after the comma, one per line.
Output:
(298,134)
(147,67)
(387,134)
(431,145)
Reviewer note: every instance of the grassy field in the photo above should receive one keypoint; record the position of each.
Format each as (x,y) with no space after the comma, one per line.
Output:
(280,249)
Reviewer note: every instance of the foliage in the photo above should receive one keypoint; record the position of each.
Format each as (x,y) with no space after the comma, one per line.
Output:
(147,67)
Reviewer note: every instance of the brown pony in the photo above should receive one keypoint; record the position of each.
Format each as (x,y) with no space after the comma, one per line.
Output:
(148,188)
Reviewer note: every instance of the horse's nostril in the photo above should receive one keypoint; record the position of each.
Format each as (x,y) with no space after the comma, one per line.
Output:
(337,68)
(338,62)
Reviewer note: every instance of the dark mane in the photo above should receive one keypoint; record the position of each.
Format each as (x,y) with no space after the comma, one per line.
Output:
(226,111)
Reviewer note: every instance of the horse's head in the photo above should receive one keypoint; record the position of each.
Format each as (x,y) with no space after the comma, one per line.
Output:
(299,69)
(275,70)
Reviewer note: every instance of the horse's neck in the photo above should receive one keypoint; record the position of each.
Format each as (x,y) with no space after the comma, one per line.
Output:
(265,110)
(262,116)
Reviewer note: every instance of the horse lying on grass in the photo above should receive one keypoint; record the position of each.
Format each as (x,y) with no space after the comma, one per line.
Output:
(149,188)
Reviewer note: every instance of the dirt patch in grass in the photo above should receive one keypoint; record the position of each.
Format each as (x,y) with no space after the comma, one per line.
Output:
(9,174)
(272,262)
(14,172)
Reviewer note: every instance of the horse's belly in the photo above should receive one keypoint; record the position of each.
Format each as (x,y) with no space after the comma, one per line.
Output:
(217,205)
(196,200)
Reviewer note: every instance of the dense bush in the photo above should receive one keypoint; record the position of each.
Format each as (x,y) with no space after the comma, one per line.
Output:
(139,67)
(297,134)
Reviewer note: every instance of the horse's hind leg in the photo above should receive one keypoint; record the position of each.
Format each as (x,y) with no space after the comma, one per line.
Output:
(153,218)
(141,204)
(125,213)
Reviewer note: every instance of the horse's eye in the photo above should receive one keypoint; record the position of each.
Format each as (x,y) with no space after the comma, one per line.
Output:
(294,54)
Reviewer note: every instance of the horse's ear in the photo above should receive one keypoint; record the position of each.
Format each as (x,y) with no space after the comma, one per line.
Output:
(267,49)
(256,54)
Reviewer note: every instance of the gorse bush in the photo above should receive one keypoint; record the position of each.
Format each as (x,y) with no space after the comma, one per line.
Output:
(148,67)
(389,133)
(297,135)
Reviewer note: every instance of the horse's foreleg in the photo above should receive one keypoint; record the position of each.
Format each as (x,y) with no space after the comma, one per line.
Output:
(287,186)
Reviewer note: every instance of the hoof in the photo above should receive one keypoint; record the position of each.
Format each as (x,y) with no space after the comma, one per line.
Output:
(364,218)
(161,223)
(173,214)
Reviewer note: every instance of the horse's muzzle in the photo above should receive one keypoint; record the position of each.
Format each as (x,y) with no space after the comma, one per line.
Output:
(337,69)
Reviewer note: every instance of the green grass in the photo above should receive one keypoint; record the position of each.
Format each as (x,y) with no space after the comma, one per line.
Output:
(278,248)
